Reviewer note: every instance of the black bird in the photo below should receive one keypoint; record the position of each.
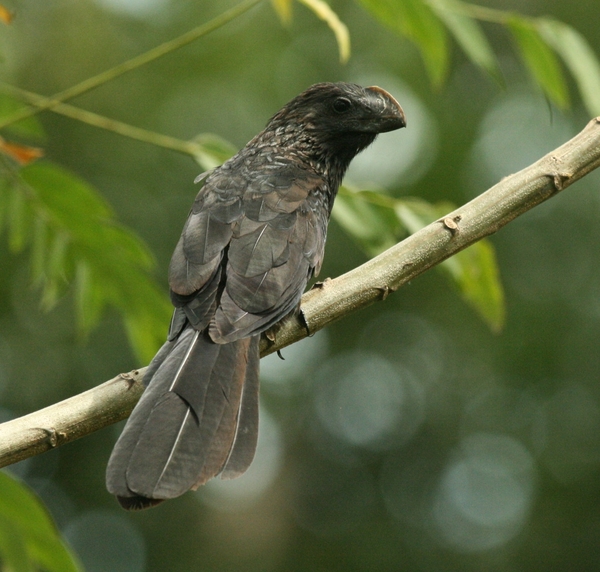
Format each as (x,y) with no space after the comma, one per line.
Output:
(254,237)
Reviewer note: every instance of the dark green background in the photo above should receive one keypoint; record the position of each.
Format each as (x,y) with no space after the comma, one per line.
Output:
(405,437)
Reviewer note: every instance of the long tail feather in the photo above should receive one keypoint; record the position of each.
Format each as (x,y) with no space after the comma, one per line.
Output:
(184,429)
(246,436)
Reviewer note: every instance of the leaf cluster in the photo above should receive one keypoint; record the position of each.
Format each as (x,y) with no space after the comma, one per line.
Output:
(377,222)
(541,44)
(76,244)
(29,539)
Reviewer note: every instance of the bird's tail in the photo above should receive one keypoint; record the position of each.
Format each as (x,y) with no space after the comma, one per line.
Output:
(198,418)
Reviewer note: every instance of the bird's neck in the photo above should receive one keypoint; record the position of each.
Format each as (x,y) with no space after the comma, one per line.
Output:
(327,154)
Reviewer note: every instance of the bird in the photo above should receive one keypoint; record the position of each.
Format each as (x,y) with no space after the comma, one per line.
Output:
(253,239)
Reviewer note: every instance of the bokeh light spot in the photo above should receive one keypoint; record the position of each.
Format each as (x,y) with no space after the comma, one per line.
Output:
(363,399)
(485,494)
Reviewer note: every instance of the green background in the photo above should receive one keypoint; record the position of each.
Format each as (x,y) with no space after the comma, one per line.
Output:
(405,437)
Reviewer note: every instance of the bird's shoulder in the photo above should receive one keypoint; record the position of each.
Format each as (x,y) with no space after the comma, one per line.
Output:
(256,172)
(254,204)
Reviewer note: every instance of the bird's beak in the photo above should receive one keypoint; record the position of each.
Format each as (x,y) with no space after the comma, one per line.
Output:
(391,113)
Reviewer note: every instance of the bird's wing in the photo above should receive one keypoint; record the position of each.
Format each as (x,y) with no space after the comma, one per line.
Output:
(195,272)
(254,237)
(274,249)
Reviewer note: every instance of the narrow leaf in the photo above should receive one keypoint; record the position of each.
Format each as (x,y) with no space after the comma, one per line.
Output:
(108,263)
(579,57)
(339,29)
(474,270)
(214,150)
(13,550)
(4,202)
(29,128)
(18,220)
(469,35)
(22,154)
(414,20)
(32,523)
(88,310)
(284,10)
(540,60)
(70,200)
(146,331)
(39,246)
(371,226)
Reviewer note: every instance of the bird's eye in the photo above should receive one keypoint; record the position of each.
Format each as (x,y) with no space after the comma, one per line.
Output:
(341,105)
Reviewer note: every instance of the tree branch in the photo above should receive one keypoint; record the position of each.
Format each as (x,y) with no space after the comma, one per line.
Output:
(331,300)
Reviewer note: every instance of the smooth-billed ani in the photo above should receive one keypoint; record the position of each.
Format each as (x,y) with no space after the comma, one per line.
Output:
(254,237)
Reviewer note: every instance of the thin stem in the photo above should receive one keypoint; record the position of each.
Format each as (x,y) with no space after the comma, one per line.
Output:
(166,141)
(136,62)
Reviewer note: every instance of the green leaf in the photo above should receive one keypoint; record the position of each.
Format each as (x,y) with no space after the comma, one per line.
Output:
(372,226)
(29,128)
(88,296)
(67,199)
(469,35)
(540,60)
(415,213)
(30,538)
(108,263)
(39,246)
(474,270)
(416,21)
(19,218)
(284,10)
(579,57)
(13,551)
(214,150)
(4,202)
(323,11)
(54,277)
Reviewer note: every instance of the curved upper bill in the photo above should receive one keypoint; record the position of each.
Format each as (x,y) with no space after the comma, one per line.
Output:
(391,115)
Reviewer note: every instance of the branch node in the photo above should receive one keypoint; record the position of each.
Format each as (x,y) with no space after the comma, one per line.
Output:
(385,292)
(130,377)
(452,224)
(52,436)
(559,178)
(321,284)
(304,321)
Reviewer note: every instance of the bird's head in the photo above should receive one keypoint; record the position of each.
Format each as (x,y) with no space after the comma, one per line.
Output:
(338,119)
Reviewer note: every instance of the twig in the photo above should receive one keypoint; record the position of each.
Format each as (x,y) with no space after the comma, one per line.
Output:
(332,299)
(135,63)
(192,148)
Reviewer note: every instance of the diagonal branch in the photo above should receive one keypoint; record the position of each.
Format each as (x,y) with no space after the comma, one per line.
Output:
(332,299)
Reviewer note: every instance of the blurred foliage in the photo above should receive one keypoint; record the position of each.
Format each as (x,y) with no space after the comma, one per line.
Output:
(55,261)
(29,539)
(538,41)
(407,437)
(377,222)
(73,237)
